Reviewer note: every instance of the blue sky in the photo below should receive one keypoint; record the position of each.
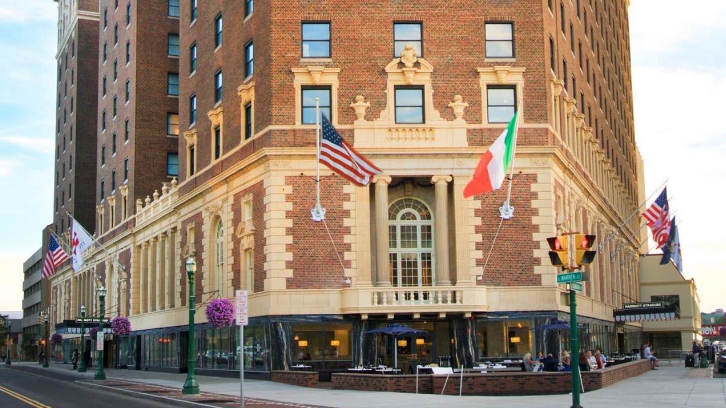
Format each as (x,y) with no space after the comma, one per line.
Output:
(679,79)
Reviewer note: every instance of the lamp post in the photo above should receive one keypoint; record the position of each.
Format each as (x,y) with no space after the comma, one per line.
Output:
(82,366)
(46,316)
(190,385)
(10,339)
(100,374)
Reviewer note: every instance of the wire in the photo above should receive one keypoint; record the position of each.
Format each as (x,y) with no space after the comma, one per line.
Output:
(501,220)
(342,267)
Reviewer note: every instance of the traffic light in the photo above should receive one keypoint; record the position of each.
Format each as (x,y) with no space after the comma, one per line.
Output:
(558,254)
(40,319)
(583,254)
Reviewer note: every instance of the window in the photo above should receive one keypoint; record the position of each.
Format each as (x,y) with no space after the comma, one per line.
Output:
(103,189)
(248,121)
(70,163)
(564,73)
(500,104)
(249,7)
(499,40)
(128,51)
(193,16)
(128,13)
(70,191)
(218,30)
(173,8)
(572,38)
(579,50)
(409,105)
(407,34)
(113,144)
(192,58)
(115,34)
(113,106)
(103,120)
(192,109)
(411,245)
(217,142)
(127,90)
(562,18)
(126,169)
(105,18)
(172,124)
(115,70)
(316,40)
(249,59)
(103,155)
(113,181)
(172,84)
(172,164)
(192,163)
(174,45)
(103,86)
(309,95)
(105,52)
(127,130)
(218,86)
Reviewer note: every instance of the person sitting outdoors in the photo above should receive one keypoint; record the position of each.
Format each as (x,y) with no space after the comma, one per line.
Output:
(599,363)
(539,356)
(527,361)
(591,359)
(650,356)
(550,363)
(584,362)
(566,361)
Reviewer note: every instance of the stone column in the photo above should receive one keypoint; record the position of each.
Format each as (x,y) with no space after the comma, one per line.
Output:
(143,282)
(171,267)
(441,232)
(152,266)
(382,273)
(162,254)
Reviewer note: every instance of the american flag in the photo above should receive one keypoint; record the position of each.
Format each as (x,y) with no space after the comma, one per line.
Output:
(343,159)
(657,217)
(54,257)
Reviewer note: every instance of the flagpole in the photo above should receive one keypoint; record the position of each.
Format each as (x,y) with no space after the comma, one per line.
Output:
(317,213)
(637,210)
(99,244)
(506,211)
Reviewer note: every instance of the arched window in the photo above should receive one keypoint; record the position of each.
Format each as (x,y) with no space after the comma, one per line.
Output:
(219,255)
(411,243)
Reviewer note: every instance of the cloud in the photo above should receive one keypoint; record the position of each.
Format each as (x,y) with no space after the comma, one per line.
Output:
(42,145)
(7,167)
(31,11)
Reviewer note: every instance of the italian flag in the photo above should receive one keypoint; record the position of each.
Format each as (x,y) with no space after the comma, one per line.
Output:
(493,165)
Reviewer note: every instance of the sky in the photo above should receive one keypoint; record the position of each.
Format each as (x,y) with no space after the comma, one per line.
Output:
(679,76)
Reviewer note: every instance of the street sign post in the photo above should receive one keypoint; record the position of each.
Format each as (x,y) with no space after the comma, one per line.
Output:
(576,286)
(241,309)
(569,277)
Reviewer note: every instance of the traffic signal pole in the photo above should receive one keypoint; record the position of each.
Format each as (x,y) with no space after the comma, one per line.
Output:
(574,347)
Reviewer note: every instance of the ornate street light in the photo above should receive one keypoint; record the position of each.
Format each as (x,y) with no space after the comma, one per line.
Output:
(82,366)
(190,385)
(100,374)
(46,316)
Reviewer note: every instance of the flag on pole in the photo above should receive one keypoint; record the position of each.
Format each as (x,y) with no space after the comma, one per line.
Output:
(343,159)
(80,241)
(493,165)
(53,257)
(672,250)
(658,219)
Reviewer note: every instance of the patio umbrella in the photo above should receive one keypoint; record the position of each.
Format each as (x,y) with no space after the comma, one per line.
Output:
(559,325)
(395,330)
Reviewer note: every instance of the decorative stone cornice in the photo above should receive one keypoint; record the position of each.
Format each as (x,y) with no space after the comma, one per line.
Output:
(314,74)
(557,86)
(409,65)
(191,137)
(216,116)
(246,92)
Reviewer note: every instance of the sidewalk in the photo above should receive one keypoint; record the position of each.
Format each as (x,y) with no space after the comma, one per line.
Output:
(670,386)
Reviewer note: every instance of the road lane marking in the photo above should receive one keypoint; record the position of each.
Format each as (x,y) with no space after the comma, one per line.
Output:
(23,398)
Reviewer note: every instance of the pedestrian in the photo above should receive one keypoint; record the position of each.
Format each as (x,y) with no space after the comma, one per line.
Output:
(74,359)
(650,356)
(696,350)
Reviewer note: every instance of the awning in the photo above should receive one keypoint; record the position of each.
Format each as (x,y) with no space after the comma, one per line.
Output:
(646,311)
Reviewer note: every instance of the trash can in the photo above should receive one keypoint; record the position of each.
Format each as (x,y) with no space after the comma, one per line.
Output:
(689,360)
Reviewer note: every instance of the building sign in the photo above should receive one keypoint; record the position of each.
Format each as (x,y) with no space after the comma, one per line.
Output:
(712,331)
(646,311)
(642,305)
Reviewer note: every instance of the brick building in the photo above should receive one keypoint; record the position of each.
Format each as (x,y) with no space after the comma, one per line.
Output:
(422,91)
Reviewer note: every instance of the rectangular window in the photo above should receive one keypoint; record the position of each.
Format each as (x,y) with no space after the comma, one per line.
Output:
(192,109)
(564,73)
(500,104)
(579,51)
(249,59)
(316,40)
(126,169)
(105,52)
(70,191)
(172,164)
(572,38)
(217,142)
(499,40)
(192,162)
(103,155)
(127,130)
(248,121)
(218,86)
(172,124)
(115,70)
(113,144)
(249,7)
(128,13)
(115,34)
(172,84)
(103,189)
(192,58)
(103,120)
(309,95)
(105,18)
(113,106)
(409,105)
(103,87)
(113,181)
(173,8)
(128,52)
(173,45)
(218,30)
(70,163)
(407,34)
(127,90)
(193,15)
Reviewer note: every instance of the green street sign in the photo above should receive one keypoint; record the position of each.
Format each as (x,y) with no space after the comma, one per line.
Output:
(576,286)
(569,277)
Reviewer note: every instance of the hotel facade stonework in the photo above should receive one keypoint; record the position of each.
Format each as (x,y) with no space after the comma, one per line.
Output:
(421,90)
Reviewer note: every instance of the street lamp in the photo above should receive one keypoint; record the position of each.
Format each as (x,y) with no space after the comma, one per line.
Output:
(100,374)
(190,385)
(82,366)
(46,316)
(10,338)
